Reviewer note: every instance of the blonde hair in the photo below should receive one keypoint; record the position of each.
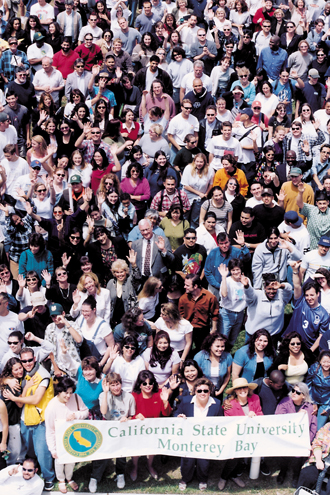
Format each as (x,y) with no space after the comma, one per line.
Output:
(38,184)
(116,183)
(40,140)
(81,283)
(205,169)
(242,71)
(119,265)
(278,11)
(83,163)
(157,128)
(171,311)
(149,288)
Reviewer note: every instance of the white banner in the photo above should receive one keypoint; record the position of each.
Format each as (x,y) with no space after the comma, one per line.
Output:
(212,438)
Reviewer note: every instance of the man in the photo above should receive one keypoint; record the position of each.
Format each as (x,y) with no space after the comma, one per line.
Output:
(64,59)
(24,183)
(198,306)
(323,115)
(305,146)
(153,217)
(48,80)
(91,145)
(14,166)
(11,59)
(33,432)
(155,97)
(188,30)
(272,58)
(89,52)
(37,51)
(70,333)
(186,155)
(79,79)
(248,135)
(290,192)
(145,76)
(44,11)
(24,479)
(77,194)
(154,254)
(23,88)
(309,318)
(284,87)
(209,126)
(225,144)
(262,38)
(318,216)
(321,165)
(182,124)
(91,29)
(101,91)
(314,92)
(223,254)
(70,22)
(169,196)
(158,8)
(254,233)
(8,133)
(188,79)
(36,316)
(292,228)
(204,50)
(230,170)
(200,99)
(190,257)
(9,322)
(122,58)
(20,119)
(256,190)
(145,22)
(315,259)
(128,35)
(268,213)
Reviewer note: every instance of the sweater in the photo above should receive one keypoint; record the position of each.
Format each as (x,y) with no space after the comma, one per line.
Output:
(37,262)
(236,410)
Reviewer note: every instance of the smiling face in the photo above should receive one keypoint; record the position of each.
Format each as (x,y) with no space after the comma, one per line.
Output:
(28,361)
(115,388)
(242,394)
(17,370)
(162,344)
(64,396)
(28,470)
(120,275)
(295,345)
(217,348)
(190,373)
(261,343)
(89,373)
(146,387)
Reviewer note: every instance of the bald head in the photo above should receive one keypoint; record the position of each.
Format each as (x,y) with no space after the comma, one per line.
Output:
(197,85)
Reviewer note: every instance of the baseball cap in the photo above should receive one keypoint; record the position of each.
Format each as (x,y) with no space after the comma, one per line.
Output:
(292,216)
(324,241)
(247,111)
(75,179)
(267,192)
(314,73)
(3,116)
(256,104)
(38,37)
(295,171)
(35,164)
(38,299)
(55,309)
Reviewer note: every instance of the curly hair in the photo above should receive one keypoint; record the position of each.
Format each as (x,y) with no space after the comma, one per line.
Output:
(81,283)
(210,339)
(130,318)
(269,349)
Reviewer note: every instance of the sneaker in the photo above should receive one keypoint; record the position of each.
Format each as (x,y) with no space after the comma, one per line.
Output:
(202,486)
(92,487)
(49,485)
(264,469)
(120,481)
(182,486)
(238,482)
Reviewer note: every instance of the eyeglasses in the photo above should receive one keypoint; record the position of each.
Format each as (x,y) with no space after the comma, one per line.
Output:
(202,34)
(290,27)
(24,469)
(306,110)
(187,108)
(77,238)
(177,54)
(61,274)
(202,391)
(64,128)
(88,39)
(245,75)
(294,391)
(24,361)
(245,36)
(132,347)
(296,343)
(13,343)
(191,238)
(145,384)
(210,115)
(60,175)
(101,106)
(33,279)
(225,30)
(109,183)
(79,67)
(21,74)
(96,132)
(41,190)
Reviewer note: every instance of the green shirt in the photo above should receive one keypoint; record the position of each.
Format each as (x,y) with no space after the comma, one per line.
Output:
(318,223)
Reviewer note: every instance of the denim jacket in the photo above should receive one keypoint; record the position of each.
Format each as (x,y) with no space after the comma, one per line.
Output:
(249,365)
(203,360)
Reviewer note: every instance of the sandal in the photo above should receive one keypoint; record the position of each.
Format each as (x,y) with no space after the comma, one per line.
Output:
(62,487)
(73,485)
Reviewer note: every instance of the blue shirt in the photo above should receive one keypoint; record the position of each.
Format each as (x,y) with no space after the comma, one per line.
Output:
(319,385)
(107,95)
(273,62)
(88,392)
(9,61)
(215,258)
(202,358)
(248,364)
(284,92)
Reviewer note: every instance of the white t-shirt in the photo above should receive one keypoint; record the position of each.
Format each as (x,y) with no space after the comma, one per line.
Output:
(148,305)
(312,261)
(196,182)
(247,156)
(268,105)
(43,13)
(188,79)
(219,147)
(88,333)
(235,300)
(14,170)
(96,32)
(180,127)
(177,336)
(8,324)
(300,235)
(128,371)
(323,117)
(85,174)
(227,116)
(34,52)
(44,208)
(252,202)
(161,375)
(9,136)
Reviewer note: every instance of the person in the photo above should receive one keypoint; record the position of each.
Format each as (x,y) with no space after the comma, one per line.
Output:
(244,403)
(189,257)
(315,259)
(318,216)
(190,407)
(318,383)
(138,187)
(230,170)
(290,189)
(23,87)
(19,118)
(128,35)
(199,98)
(313,86)
(169,196)
(48,79)
(33,432)
(65,406)
(273,59)
(148,298)
(174,226)
(320,166)
(217,204)
(79,78)
(182,124)
(161,358)
(28,286)
(70,21)
(65,58)
(89,52)
(36,258)
(253,231)
(207,232)
(268,213)
(157,172)
(301,59)
(178,68)
(146,75)
(7,67)
(89,286)
(133,323)
(225,144)
(14,478)
(116,405)
(145,21)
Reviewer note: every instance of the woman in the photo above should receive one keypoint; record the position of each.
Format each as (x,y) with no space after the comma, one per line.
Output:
(244,82)
(158,171)
(123,287)
(322,277)
(103,15)
(215,362)
(135,155)
(89,287)
(170,23)
(118,11)
(309,124)
(150,403)
(181,12)
(182,385)
(32,27)
(61,291)
(174,226)
(219,206)
(36,257)
(148,298)
(133,323)
(318,381)
(138,188)
(278,23)
(253,360)
(293,358)
(260,77)
(80,167)
(298,401)
(27,286)
(101,114)
(218,17)
(54,36)
(153,142)
(320,451)
(80,115)
(109,204)
(155,114)
(239,16)
(112,136)
(320,64)
(267,162)
(161,358)
(43,203)
(76,96)
(109,181)
(280,118)
(105,43)
(59,183)
(14,29)
(7,280)
(127,362)
(179,329)
(277,143)
(65,406)
(44,154)
(173,42)
(234,198)
(222,113)
(101,167)
(300,15)
(243,403)
(203,406)
(178,68)
(220,77)
(142,51)
(268,100)
(129,128)
(208,231)
(161,53)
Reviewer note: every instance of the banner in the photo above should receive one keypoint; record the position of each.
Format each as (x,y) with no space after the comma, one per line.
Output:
(209,438)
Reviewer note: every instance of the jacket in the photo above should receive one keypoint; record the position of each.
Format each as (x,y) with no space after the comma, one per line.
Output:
(187,407)
(254,405)
(130,286)
(249,364)
(199,102)
(215,258)
(202,133)
(286,406)
(140,80)
(202,358)
(35,414)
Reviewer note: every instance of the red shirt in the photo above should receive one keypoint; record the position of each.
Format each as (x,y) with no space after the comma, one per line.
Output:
(151,408)
(64,63)
(97,176)
(91,56)
(133,134)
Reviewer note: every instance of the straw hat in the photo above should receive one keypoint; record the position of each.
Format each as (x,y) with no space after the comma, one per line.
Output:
(239,383)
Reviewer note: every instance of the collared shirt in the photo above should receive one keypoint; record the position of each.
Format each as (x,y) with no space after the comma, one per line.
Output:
(199,311)
(272,61)
(19,240)
(163,199)
(318,223)
(9,62)
(201,413)
(54,80)
(89,149)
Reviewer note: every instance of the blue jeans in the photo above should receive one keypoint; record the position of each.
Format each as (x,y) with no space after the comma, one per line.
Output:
(230,324)
(34,445)
(321,420)
(173,154)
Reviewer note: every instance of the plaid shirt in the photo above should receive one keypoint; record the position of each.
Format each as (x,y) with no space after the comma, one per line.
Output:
(167,202)
(7,68)
(89,150)
(19,239)
(318,223)
(314,146)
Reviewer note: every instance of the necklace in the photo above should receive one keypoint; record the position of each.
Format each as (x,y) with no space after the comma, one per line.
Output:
(67,293)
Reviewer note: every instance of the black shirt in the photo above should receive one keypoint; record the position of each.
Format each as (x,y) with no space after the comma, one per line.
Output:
(190,260)
(38,324)
(253,235)
(269,217)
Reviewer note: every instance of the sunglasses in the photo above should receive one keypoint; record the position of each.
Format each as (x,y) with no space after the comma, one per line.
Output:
(95,132)
(64,128)
(257,108)
(60,175)
(209,115)
(298,344)
(24,361)
(33,279)
(130,347)
(297,392)
(187,108)
(202,391)
(41,190)
(109,183)
(145,384)
(61,274)
(13,343)
(27,470)
(191,238)
(77,238)
(79,67)
(101,107)
(295,128)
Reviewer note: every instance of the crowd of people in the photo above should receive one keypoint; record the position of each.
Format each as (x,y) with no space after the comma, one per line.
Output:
(165,187)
